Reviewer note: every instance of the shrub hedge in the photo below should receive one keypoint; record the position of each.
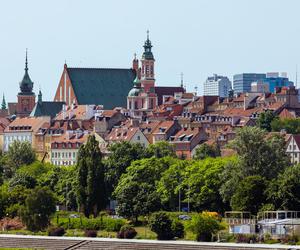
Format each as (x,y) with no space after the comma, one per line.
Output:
(104,223)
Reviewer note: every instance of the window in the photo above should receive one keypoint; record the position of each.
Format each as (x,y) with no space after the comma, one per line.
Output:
(138,138)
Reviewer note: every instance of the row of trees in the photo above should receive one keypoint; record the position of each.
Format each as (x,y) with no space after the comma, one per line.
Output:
(270,122)
(143,181)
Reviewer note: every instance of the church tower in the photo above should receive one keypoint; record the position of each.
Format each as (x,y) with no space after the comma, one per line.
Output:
(147,68)
(26,96)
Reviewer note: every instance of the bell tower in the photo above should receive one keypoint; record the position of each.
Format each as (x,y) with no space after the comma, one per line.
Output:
(26,96)
(147,69)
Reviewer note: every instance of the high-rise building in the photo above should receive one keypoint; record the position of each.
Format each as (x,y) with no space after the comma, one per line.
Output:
(217,86)
(242,82)
(274,80)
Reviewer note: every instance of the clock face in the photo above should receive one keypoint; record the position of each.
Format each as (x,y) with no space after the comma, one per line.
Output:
(25,102)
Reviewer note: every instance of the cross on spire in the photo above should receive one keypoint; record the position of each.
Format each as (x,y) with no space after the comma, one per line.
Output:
(147,34)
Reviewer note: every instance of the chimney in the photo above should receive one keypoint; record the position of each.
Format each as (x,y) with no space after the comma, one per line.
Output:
(134,123)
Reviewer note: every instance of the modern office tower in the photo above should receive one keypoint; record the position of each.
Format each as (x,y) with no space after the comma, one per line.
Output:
(217,86)
(242,82)
(274,80)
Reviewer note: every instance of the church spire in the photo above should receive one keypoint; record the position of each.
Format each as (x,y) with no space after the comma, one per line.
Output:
(26,85)
(147,55)
(40,97)
(26,62)
(3,105)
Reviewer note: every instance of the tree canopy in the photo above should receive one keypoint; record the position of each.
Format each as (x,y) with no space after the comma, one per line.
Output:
(90,178)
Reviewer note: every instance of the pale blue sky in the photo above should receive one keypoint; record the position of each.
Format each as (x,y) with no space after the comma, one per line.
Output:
(197,37)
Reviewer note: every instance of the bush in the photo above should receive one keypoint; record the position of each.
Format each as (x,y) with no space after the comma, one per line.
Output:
(161,224)
(204,225)
(113,225)
(290,239)
(246,238)
(90,233)
(13,210)
(177,229)
(56,231)
(126,232)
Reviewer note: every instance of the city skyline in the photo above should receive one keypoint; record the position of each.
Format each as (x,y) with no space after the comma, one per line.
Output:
(254,40)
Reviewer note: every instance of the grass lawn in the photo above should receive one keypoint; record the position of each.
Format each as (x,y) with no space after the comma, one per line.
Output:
(145,233)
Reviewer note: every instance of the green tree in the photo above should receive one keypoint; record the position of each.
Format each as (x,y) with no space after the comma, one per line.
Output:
(160,149)
(205,150)
(203,182)
(90,178)
(285,191)
(136,192)
(258,154)
(39,206)
(250,194)
(170,184)
(290,125)
(204,225)
(20,153)
(120,157)
(265,119)
(22,179)
(161,224)
(4,200)
(17,197)
(3,104)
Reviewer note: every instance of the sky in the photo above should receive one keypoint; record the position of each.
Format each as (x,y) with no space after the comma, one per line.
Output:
(196,37)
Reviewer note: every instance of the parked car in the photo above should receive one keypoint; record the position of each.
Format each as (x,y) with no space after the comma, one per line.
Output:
(184,217)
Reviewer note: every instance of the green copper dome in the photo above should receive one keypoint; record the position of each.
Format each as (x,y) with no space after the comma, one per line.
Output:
(136,90)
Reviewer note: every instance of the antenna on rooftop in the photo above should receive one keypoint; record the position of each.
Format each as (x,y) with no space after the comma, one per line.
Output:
(181,80)
(296,83)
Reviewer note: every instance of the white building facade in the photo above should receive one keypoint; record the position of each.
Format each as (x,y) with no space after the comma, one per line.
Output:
(217,86)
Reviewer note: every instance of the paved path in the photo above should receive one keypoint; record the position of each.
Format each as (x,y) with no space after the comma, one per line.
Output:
(81,243)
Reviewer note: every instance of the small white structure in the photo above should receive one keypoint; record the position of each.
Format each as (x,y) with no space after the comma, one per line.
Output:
(279,223)
(240,222)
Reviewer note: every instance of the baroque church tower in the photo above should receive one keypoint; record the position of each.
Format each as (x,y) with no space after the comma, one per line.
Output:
(147,69)
(26,96)
(142,98)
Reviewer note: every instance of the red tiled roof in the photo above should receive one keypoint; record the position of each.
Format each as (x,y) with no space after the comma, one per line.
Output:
(286,114)
(121,134)
(26,124)
(165,125)
(186,132)
(69,141)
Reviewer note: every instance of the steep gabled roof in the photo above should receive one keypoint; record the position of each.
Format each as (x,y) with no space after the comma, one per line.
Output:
(47,109)
(108,87)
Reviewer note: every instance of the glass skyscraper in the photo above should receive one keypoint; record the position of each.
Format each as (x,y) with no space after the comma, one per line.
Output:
(242,82)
